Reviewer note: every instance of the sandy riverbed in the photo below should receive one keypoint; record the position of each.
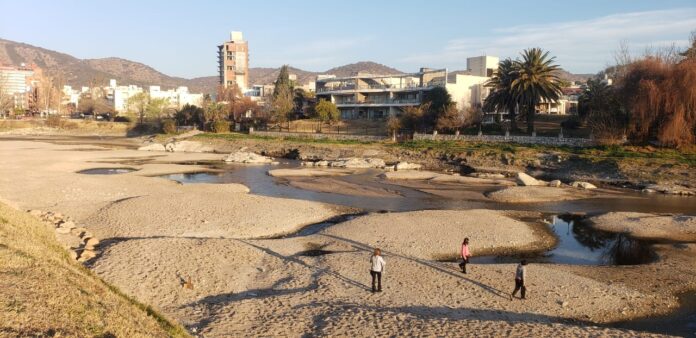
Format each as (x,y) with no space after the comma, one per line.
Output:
(156,232)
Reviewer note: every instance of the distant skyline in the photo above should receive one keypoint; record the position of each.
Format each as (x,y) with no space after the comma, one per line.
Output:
(179,38)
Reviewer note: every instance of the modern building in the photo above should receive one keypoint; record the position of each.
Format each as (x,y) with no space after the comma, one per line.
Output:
(233,62)
(379,96)
(482,65)
(19,83)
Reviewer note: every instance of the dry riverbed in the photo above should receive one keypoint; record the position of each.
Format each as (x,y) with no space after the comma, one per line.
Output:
(157,235)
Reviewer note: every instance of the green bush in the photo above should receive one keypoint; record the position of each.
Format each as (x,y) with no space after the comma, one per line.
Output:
(168,126)
(220,126)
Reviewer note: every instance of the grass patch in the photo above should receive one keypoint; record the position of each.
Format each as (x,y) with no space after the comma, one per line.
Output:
(44,293)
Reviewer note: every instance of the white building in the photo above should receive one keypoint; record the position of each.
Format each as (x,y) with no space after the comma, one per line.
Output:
(380,96)
(17,82)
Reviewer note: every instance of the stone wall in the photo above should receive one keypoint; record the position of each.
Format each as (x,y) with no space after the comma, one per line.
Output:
(545,140)
(319,136)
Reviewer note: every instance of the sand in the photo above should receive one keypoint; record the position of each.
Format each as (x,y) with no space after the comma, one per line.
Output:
(536,194)
(648,226)
(443,178)
(304,172)
(337,186)
(154,233)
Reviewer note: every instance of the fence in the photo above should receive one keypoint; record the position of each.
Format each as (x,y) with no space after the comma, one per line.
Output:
(545,140)
(319,136)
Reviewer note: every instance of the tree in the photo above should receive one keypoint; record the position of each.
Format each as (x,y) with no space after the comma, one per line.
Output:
(536,80)
(156,108)
(438,101)
(6,98)
(282,82)
(282,102)
(327,112)
(501,97)
(393,125)
(690,53)
(455,119)
(214,111)
(241,107)
(190,115)
(94,106)
(412,117)
(596,98)
(137,104)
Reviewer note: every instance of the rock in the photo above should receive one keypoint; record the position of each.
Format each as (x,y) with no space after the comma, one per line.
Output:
(671,189)
(87,255)
(649,191)
(322,163)
(72,254)
(79,232)
(69,225)
(62,231)
(526,180)
(91,243)
(407,166)
(153,147)
(555,183)
(359,163)
(35,213)
(307,164)
(187,147)
(248,157)
(583,185)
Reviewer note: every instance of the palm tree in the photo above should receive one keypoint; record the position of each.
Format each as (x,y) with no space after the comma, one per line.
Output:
(501,97)
(536,80)
(595,98)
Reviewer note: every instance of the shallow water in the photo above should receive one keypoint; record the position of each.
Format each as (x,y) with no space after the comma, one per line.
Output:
(259,182)
(106,171)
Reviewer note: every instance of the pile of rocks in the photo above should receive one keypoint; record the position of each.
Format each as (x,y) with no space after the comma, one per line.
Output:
(350,163)
(64,225)
(249,158)
(670,190)
(526,180)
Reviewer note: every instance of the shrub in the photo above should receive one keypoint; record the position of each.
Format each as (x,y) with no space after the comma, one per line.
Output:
(53,121)
(121,119)
(168,126)
(220,126)
(571,123)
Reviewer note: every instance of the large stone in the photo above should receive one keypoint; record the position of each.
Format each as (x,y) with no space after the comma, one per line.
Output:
(555,183)
(62,231)
(488,175)
(91,243)
(68,224)
(526,180)
(583,185)
(79,232)
(670,189)
(407,166)
(152,147)
(87,255)
(248,157)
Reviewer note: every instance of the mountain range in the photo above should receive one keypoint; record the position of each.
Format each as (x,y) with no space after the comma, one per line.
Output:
(86,72)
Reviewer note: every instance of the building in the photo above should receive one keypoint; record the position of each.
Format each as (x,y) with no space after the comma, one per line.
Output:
(379,96)
(483,66)
(19,83)
(567,103)
(233,62)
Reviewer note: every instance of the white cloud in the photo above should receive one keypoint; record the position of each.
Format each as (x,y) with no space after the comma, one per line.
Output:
(580,46)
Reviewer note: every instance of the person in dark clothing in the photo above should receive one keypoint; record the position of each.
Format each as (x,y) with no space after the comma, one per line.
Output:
(520,276)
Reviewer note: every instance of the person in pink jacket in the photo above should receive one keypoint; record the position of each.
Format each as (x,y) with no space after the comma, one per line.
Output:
(466,254)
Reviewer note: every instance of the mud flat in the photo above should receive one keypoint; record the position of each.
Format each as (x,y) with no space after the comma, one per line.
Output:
(648,226)
(536,194)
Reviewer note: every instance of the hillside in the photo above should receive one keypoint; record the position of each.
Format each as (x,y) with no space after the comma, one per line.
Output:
(45,294)
(84,72)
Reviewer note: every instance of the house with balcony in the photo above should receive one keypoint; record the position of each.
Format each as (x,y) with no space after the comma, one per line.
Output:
(367,96)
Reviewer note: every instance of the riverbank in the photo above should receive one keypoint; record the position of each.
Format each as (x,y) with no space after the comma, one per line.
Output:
(155,238)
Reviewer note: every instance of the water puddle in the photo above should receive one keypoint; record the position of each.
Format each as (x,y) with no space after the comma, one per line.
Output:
(106,171)
(580,244)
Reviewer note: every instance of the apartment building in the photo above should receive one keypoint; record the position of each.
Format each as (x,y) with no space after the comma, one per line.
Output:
(19,83)
(366,96)
(233,62)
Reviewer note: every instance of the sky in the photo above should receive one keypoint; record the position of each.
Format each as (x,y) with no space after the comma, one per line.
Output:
(179,38)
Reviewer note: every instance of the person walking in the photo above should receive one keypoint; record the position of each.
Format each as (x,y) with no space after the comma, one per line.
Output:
(465,254)
(520,277)
(376,269)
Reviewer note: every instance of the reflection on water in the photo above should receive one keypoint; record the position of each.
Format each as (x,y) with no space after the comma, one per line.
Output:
(106,171)
(579,243)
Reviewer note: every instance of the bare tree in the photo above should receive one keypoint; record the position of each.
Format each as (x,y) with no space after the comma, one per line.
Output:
(6,98)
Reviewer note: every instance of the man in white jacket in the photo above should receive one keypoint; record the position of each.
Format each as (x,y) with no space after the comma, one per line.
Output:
(376,270)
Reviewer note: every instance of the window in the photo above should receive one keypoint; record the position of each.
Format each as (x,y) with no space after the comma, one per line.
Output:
(230,68)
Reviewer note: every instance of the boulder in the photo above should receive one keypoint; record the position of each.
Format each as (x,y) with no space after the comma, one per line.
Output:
(78,232)
(92,243)
(62,231)
(407,166)
(72,254)
(555,183)
(87,255)
(488,175)
(153,147)
(583,185)
(248,157)
(671,189)
(69,225)
(322,163)
(526,180)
